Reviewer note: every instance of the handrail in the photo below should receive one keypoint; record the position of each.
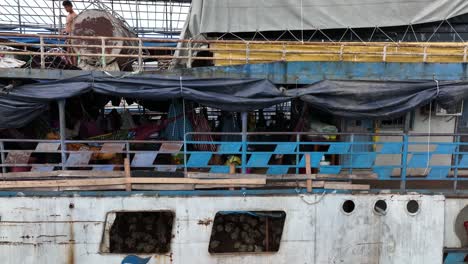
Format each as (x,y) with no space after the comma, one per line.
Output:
(238,52)
(399,157)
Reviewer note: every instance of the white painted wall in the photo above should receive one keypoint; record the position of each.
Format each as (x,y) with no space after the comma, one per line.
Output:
(46,230)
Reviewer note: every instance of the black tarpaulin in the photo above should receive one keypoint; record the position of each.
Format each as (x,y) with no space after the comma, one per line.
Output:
(351,99)
(379,99)
(234,95)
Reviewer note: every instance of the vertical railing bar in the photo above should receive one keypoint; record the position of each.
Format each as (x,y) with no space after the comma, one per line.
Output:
(185,155)
(455,171)
(244,142)
(127,153)
(298,140)
(63,145)
(190,59)
(351,155)
(140,54)
(2,156)
(19,17)
(103,52)
(404,157)
(41,46)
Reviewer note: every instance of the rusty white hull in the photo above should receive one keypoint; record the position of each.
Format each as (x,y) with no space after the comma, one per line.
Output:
(316,230)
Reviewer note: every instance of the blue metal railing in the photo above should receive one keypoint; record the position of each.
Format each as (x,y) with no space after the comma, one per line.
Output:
(398,157)
(384,157)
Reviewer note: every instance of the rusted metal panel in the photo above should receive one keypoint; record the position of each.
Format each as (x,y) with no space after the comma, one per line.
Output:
(103,24)
(71,229)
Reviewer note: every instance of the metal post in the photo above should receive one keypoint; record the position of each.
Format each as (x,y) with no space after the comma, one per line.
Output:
(60,15)
(127,150)
(351,154)
(190,60)
(41,46)
(2,155)
(53,14)
(455,171)
(298,140)
(103,53)
(19,17)
(140,55)
(63,145)
(244,142)
(404,157)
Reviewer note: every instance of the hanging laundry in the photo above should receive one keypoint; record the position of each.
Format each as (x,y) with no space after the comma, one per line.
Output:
(230,124)
(201,124)
(177,123)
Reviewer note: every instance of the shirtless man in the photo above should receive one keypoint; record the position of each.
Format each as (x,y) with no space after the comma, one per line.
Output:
(68,27)
(71,15)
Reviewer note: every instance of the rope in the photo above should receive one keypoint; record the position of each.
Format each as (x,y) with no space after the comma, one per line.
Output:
(429,129)
(302,21)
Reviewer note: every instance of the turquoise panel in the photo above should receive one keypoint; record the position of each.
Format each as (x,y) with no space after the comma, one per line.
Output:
(339,148)
(278,170)
(439,172)
(391,148)
(259,160)
(315,158)
(330,169)
(443,148)
(384,173)
(285,148)
(199,159)
(219,169)
(230,147)
(419,160)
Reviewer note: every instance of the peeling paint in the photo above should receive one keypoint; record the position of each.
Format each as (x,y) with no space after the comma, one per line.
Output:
(205,222)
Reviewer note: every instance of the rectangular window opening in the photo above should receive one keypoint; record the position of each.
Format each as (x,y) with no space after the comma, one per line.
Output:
(247,232)
(139,232)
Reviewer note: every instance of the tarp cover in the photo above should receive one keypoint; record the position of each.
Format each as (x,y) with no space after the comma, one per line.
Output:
(276,15)
(351,99)
(23,103)
(379,99)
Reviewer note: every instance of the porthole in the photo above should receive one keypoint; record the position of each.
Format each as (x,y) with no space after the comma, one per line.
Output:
(380,207)
(412,207)
(348,206)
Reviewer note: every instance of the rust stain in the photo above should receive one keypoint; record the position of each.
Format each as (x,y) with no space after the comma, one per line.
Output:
(71,247)
(205,222)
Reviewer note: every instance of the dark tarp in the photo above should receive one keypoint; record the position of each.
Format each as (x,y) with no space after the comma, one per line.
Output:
(234,95)
(352,99)
(379,99)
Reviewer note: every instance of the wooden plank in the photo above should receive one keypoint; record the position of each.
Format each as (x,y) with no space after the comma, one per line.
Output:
(232,170)
(346,186)
(119,181)
(59,183)
(279,177)
(163,187)
(308,172)
(67,173)
(315,184)
(362,176)
(92,188)
(198,181)
(128,184)
(220,186)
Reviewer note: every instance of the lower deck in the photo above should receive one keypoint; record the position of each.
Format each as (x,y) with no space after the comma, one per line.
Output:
(321,228)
